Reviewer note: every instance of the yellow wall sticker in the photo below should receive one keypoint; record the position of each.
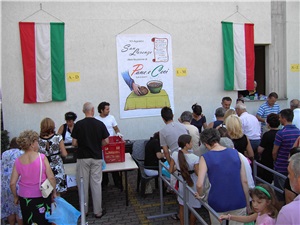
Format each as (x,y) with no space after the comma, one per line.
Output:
(295,67)
(181,72)
(73,76)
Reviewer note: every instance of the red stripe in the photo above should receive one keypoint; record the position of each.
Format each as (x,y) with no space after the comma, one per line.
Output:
(250,55)
(27,36)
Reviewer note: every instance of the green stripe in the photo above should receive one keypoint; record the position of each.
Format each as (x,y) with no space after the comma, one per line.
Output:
(58,61)
(227,30)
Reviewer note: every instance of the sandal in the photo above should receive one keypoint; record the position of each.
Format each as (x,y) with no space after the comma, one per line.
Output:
(102,214)
(175,217)
(170,191)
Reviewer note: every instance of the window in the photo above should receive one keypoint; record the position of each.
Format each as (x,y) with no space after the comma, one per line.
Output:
(259,71)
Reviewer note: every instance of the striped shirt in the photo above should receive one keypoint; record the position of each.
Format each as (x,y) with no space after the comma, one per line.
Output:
(285,139)
(265,109)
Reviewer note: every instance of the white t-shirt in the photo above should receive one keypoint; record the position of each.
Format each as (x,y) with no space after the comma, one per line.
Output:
(251,126)
(248,171)
(191,160)
(194,132)
(296,120)
(110,122)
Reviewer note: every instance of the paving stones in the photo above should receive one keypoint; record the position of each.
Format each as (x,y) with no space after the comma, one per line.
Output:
(138,209)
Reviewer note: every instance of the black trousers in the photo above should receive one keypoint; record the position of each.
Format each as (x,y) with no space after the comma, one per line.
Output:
(116,177)
(34,209)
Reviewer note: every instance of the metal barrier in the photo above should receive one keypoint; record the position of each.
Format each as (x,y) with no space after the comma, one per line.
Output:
(186,206)
(82,202)
(256,178)
(186,190)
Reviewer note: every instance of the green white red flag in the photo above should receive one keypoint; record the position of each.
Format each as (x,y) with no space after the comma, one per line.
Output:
(43,58)
(239,56)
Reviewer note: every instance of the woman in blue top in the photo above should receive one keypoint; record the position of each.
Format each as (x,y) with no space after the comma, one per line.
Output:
(229,188)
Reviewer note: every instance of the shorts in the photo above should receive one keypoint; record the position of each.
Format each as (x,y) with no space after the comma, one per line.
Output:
(279,183)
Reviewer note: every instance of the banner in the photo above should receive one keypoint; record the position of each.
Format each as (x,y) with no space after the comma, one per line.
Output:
(43,58)
(239,56)
(145,73)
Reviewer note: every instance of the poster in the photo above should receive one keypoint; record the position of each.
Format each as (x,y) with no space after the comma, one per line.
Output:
(145,74)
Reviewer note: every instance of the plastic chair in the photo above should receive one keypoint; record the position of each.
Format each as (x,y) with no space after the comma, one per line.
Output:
(138,155)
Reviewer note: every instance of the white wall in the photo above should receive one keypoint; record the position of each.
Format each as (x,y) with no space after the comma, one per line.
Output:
(293,46)
(90,48)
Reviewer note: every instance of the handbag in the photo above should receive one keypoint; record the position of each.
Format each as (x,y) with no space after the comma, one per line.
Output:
(176,185)
(206,188)
(63,213)
(103,162)
(164,171)
(46,187)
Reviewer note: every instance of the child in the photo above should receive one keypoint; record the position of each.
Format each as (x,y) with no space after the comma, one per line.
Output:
(263,203)
(187,165)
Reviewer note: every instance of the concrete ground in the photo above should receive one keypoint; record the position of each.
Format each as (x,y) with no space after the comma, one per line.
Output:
(138,208)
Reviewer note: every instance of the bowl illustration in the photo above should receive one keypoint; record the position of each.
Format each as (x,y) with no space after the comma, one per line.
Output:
(154,86)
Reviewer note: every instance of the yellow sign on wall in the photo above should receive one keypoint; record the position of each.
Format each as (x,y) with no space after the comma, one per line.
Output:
(73,76)
(295,67)
(181,72)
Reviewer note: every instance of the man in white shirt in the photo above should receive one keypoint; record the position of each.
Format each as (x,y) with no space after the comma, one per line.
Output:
(226,104)
(295,106)
(250,125)
(112,127)
(109,120)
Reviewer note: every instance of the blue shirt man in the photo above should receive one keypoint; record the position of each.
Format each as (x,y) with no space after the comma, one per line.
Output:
(270,106)
(284,141)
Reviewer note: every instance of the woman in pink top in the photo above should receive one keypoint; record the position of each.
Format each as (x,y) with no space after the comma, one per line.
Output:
(27,170)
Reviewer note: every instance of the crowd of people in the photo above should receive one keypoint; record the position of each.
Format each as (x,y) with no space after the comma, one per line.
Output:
(33,158)
(220,152)
(224,150)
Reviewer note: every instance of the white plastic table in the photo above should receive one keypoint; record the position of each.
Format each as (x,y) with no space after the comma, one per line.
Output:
(129,164)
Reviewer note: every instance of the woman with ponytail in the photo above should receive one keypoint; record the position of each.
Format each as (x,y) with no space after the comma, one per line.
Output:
(187,165)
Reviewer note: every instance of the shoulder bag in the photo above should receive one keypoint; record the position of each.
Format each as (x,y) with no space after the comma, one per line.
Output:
(46,187)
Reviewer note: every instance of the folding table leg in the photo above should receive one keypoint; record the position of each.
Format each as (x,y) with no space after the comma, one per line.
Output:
(126,187)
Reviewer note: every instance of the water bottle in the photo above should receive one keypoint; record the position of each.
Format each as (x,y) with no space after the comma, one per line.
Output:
(255,96)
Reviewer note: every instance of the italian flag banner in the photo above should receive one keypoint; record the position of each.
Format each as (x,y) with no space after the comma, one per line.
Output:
(239,57)
(43,58)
